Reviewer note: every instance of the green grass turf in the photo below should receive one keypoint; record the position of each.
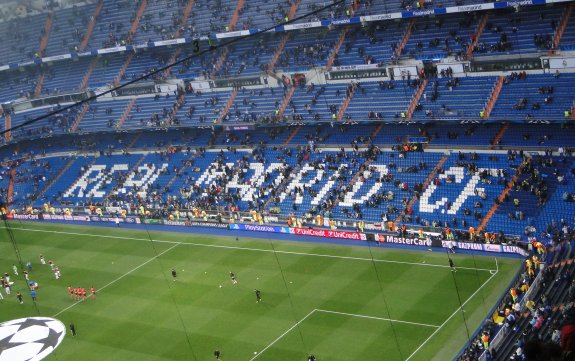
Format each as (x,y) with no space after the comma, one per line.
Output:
(141,314)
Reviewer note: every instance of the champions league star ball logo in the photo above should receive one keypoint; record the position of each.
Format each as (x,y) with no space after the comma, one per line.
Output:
(30,339)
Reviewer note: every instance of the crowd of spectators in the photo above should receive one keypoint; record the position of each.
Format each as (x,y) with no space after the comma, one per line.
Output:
(539,324)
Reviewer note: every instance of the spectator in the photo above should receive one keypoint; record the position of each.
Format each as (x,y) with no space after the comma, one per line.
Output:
(568,332)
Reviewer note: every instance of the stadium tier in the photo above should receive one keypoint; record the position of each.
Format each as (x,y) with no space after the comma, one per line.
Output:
(435,125)
(435,188)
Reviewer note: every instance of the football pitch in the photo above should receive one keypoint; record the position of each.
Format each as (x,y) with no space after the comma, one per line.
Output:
(341,303)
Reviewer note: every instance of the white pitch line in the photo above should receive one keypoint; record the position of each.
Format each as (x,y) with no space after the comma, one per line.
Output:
(378,318)
(254,249)
(122,276)
(282,335)
(454,313)
(336,313)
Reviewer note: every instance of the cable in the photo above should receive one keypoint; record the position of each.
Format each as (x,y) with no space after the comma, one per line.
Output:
(166,280)
(166,67)
(478,280)
(385,302)
(21,264)
(288,292)
(459,297)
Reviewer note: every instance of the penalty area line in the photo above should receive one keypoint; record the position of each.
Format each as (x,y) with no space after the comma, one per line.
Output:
(119,278)
(377,318)
(338,313)
(283,334)
(252,249)
(454,313)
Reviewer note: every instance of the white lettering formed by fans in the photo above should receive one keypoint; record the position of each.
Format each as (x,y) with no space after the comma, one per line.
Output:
(328,185)
(147,175)
(307,171)
(97,180)
(349,199)
(457,174)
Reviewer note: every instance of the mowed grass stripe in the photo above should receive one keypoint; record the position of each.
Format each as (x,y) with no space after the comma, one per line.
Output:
(101,288)
(228,318)
(237,247)
(343,337)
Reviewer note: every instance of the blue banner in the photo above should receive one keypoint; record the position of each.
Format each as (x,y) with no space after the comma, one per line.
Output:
(258,228)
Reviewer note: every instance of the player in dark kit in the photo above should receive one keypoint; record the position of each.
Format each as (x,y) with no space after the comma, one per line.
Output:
(258,296)
(174,274)
(217,354)
(452,265)
(311,358)
(233,277)
(73,329)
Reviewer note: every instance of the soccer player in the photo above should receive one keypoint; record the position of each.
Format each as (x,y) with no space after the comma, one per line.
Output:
(93,290)
(15,270)
(258,296)
(26,275)
(19,297)
(217,354)
(174,274)
(71,292)
(7,287)
(76,293)
(42,260)
(311,358)
(233,277)
(450,246)
(83,293)
(33,285)
(73,329)
(29,265)
(33,295)
(452,265)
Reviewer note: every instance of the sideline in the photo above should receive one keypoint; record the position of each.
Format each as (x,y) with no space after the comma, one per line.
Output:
(454,313)
(251,249)
(336,313)
(225,232)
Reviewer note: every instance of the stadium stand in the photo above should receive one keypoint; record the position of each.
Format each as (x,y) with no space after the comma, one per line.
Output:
(371,112)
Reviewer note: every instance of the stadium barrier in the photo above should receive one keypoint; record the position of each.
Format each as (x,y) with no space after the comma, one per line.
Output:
(429,240)
(504,331)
